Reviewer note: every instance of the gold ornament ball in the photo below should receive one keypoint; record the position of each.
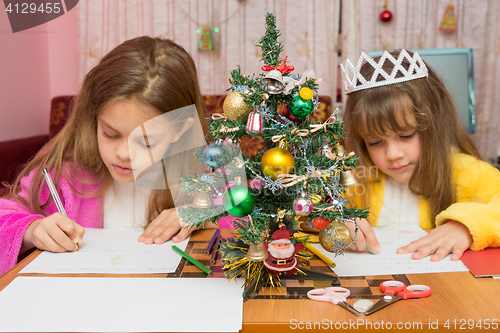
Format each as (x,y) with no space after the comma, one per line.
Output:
(306,93)
(235,107)
(338,232)
(277,161)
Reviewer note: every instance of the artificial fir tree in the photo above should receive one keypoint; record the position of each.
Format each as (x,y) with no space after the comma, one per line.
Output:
(303,173)
(448,23)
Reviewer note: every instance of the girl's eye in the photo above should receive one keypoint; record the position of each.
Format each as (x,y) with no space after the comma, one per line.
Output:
(408,136)
(374,143)
(106,135)
(145,145)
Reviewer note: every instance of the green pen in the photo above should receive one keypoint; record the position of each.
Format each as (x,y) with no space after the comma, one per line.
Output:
(192,260)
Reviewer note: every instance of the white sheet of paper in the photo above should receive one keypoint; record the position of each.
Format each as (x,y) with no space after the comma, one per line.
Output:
(388,261)
(114,251)
(75,304)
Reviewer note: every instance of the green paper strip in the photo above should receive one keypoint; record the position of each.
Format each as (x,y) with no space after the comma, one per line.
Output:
(192,260)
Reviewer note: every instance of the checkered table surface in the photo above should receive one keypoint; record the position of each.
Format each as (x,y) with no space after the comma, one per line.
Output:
(361,287)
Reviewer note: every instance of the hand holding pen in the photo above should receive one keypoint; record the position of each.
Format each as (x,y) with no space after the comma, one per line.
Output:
(56,232)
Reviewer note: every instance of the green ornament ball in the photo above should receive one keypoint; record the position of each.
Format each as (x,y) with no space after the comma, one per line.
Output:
(301,108)
(239,200)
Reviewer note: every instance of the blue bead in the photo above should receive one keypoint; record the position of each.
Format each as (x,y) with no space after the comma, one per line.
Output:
(213,155)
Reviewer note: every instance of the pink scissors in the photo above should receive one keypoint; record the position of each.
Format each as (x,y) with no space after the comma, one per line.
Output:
(396,290)
(335,295)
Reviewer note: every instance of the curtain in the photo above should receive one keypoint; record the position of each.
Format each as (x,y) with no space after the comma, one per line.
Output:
(415,26)
(309,33)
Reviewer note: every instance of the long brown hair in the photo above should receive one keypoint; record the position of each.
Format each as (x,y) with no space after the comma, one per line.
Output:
(154,71)
(423,104)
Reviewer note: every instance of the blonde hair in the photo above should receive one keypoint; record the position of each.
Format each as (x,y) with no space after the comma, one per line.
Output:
(155,72)
(422,104)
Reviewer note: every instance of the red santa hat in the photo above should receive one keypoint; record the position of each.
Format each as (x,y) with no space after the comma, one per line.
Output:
(282,235)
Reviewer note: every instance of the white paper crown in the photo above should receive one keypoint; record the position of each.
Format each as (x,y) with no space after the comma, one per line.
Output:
(354,81)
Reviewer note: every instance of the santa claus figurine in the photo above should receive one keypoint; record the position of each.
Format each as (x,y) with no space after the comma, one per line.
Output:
(281,252)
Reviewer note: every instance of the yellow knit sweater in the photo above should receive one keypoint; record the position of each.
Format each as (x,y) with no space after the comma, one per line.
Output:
(477,186)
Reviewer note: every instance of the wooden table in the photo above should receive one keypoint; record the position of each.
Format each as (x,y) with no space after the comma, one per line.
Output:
(458,300)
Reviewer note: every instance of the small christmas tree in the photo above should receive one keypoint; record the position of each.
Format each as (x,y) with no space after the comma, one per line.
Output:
(302,174)
(206,42)
(448,23)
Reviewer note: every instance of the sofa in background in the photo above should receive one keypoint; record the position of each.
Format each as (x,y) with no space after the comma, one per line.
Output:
(16,153)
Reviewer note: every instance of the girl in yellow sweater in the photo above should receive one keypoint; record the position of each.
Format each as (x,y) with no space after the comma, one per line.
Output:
(417,163)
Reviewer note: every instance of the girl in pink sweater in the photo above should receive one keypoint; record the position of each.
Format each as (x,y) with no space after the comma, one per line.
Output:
(113,137)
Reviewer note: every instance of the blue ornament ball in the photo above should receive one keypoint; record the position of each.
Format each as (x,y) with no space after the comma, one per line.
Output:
(301,108)
(213,155)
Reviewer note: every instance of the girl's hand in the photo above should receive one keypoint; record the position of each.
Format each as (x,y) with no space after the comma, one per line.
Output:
(451,237)
(366,235)
(164,227)
(54,233)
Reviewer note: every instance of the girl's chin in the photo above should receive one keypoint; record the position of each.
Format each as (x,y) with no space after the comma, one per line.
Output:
(126,181)
(401,179)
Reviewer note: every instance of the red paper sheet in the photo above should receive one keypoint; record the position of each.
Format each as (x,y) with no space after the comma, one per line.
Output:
(483,263)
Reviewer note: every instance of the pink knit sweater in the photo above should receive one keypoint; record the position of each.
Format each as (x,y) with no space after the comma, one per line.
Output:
(15,218)
(86,211)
